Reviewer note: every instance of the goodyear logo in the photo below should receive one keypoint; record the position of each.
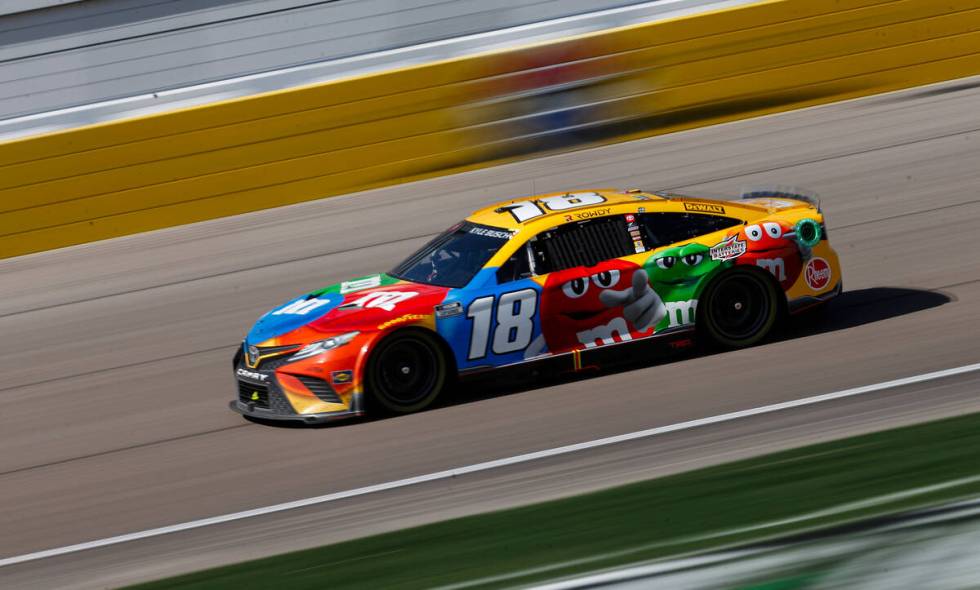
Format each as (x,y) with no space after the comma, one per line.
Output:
(342,376)
(409,317)
(704,208)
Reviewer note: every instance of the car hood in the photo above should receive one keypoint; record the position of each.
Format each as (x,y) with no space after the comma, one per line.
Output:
(374,302)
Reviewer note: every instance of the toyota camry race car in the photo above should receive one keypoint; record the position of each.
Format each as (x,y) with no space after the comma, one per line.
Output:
(557,280)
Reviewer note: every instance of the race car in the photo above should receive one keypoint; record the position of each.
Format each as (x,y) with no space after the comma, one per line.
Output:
(561,280)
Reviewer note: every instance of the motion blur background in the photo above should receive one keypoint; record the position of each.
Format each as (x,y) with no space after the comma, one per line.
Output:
(164,168)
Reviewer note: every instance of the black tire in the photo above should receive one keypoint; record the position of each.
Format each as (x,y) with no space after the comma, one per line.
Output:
(406,372)
(739,308)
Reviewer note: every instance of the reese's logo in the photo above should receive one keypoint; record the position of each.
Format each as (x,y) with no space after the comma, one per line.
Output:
(704,208)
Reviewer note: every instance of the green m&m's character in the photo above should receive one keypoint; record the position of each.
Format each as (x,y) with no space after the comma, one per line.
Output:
(675,272)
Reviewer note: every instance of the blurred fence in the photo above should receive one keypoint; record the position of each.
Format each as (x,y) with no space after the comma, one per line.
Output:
(75,53)
(302,144)
(16,6)
(50,84)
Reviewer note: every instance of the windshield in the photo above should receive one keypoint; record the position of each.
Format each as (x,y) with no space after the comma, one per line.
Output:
(453,258)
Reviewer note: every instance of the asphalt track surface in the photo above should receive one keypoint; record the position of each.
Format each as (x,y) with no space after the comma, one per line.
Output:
(116,356)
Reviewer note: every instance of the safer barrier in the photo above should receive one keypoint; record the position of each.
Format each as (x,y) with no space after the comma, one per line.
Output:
(316,141)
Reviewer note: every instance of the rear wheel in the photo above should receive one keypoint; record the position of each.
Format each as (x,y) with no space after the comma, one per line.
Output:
(739,308)
(406,372)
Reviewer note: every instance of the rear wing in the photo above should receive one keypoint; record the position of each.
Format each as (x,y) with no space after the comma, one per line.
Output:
(781,192)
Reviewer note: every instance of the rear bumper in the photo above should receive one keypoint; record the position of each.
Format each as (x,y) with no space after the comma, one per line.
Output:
(809,302)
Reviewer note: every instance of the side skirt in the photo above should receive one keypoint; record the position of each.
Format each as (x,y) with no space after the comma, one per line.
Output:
(590,359)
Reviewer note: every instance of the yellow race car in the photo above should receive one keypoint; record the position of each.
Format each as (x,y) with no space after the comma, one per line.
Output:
(559,280)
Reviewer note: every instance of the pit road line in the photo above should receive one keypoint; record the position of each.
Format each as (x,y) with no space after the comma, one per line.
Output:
(488,465)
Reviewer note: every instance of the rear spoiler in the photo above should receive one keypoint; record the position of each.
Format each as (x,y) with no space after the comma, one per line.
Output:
(781,192)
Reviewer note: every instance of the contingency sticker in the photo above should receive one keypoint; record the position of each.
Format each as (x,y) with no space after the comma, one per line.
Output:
(730,249)
(704,208)
(340,377)
(359,284)
(817,273)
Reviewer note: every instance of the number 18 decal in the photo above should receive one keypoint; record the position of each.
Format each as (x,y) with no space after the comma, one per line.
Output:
(515,322)
(524,210)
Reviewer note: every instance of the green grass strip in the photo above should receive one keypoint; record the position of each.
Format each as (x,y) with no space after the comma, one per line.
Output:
(693,511)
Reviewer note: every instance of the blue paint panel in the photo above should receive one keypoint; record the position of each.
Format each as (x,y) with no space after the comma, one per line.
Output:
(291,315)
(458,329)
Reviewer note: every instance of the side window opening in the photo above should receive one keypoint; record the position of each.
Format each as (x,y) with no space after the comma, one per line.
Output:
(661,229)
(585,243)
(454,257)
(517,267)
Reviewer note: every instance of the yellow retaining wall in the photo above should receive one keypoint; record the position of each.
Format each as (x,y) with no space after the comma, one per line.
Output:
(301,144)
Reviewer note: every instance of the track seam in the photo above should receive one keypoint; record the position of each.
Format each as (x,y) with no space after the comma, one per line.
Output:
(902,215)
(129,448)
(215,275)
(427,235)
(938,290)
(451,474)
(116,368)
(830,158)
(162,441)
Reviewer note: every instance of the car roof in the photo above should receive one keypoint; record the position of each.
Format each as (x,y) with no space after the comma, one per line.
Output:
(618,202)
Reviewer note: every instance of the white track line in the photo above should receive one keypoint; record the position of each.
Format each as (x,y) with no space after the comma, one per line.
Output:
(451,473)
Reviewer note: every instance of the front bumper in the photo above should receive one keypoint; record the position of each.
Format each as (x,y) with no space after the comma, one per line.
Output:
(301,394)
(253,411)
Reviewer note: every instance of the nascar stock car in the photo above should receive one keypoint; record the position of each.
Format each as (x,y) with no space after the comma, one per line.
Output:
(558,280)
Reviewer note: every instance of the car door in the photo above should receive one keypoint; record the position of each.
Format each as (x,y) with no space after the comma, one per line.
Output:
(590,295)
(493,321)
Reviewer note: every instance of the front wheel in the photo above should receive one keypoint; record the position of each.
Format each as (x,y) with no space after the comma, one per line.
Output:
(739,308)
(406,372)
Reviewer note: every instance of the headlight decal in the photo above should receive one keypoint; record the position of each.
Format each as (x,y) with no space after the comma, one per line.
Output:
(315,348)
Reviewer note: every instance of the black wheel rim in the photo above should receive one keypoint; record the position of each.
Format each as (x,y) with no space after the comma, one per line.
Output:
(407,371)
(740,307)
